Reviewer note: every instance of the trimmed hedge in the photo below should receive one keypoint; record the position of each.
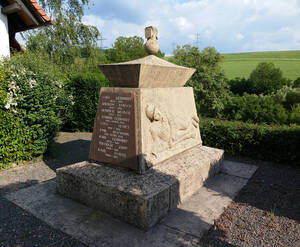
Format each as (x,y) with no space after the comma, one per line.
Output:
(280,144)
(84,89)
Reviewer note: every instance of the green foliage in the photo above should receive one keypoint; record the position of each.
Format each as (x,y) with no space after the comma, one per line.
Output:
(34,87)
(297,83)
(239,86)
(265,79)
(208,81)
(64,41)
(74,7)
(292,98)
(255,109)
(3,87)
(295,114)
(273,143)
(15,139)
(84,91)
(126,49)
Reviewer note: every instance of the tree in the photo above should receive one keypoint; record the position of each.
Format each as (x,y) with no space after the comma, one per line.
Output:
(126,49)
(239,86)
(265,79)
(297,82)
(64,41)
(208,81)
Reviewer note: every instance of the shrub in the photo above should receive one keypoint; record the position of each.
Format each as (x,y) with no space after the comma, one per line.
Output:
(297,82)
(295,114)
(33,89)
(3,87)
(84,91)
(14,137)
(292,98)
(265,79)
(15,140)
(240,86)
(255,109)
(274,143)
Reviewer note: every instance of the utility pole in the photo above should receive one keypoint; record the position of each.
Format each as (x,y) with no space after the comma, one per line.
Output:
(101,43)
(197,40)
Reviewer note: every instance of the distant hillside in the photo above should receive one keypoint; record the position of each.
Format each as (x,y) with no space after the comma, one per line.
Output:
(241,64)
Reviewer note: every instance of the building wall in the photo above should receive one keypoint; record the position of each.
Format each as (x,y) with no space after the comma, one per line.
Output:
(4,39)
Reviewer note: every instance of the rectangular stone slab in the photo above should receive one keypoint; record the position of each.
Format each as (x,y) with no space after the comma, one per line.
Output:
(141,200)
(114,136)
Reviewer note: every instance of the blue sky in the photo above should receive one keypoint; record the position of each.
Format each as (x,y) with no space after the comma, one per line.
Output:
(228,25)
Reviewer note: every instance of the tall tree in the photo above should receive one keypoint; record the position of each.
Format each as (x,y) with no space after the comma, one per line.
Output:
(266,78)
(208,81)
(127,48)
(65,40)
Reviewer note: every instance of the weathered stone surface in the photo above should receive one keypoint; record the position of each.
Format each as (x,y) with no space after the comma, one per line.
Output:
(140,127)
(151,46)
(149,71)
(169,123)
(141,200)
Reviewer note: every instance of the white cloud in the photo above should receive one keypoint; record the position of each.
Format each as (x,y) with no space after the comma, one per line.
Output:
(285,38)
(229,25)
(239,36)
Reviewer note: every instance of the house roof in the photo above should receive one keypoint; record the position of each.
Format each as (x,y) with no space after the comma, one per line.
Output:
(40,12)
(24,15)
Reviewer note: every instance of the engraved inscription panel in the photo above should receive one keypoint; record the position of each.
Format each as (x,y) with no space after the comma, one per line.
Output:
(114,138)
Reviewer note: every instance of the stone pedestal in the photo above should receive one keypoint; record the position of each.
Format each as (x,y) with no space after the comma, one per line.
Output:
(140,127)
(141,200)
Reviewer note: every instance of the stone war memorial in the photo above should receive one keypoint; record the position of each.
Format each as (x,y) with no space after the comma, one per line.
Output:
(146,153)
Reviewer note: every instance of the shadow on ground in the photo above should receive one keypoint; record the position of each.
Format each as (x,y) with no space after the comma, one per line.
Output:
(275,190)
(67,153)
(16,186)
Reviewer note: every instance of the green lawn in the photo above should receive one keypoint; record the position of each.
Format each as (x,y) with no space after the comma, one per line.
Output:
(241,64)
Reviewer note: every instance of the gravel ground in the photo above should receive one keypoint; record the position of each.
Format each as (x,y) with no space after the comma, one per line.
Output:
(266,212)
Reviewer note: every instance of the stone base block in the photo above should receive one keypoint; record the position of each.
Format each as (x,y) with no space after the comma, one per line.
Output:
(141,200)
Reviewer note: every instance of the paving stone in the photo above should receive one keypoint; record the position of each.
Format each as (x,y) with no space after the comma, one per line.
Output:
(238,169)
(197,214)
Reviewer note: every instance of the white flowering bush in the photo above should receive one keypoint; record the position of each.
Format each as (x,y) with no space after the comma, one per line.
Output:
(34,97)
(15,137)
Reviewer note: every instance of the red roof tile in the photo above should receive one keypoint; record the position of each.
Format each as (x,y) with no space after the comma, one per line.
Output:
(40,11)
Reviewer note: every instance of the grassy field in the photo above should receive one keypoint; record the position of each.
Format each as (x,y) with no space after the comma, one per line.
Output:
(241,64)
